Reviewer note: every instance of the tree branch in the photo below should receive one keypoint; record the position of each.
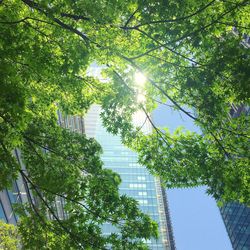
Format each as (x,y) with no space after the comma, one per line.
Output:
(208,25)
(34,5)
(51,210)
(168,48)
(145,112)
(146,53)
(15,22)
(75,17)
(234,25)
(172,63)
(171,20)
(130,18)
(78,203)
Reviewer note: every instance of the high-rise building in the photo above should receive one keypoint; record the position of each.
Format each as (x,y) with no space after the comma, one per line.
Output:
(137,182)
(236,218)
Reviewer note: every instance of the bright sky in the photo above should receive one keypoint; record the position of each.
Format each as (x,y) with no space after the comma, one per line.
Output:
(196,220)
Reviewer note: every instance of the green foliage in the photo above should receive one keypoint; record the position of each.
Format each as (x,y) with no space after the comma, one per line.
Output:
(187,159)
(8,236)
(192,59)
(38,235)
(44,61)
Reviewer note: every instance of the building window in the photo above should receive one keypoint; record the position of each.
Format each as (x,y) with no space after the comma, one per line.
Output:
(142,193)
(141,178)
(147,241)
(143,202)
(134,164)
(137,185)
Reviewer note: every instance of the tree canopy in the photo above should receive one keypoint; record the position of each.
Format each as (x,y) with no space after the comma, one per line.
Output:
(195,59)
(43,70)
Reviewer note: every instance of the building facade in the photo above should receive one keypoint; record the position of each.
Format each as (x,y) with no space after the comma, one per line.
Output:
(18,193)
(137,182)
(236,218)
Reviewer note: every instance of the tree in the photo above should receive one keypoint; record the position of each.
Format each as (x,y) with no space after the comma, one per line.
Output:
(193,61)
(43,69)
(190,57)
(8,236)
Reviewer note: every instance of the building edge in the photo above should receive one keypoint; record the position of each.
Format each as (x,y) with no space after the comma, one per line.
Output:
(168,219)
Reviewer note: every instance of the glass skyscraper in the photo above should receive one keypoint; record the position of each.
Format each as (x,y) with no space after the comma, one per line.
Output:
(237,221)
(137,182)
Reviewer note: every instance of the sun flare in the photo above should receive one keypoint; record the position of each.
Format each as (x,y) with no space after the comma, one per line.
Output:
(140,79)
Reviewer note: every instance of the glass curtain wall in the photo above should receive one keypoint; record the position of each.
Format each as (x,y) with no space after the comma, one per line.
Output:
(137,182)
